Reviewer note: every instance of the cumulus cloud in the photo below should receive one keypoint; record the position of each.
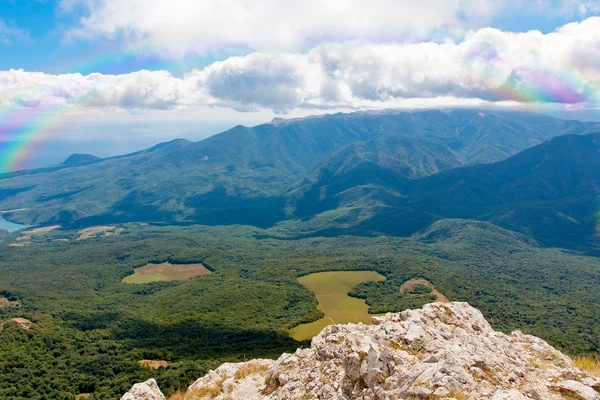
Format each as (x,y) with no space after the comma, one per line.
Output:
(487,67)
(137,90)
(176,27)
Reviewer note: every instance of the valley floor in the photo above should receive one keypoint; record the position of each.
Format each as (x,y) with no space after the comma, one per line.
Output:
(88,330)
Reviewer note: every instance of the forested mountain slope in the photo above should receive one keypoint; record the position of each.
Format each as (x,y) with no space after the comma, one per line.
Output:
(228,177)
(550,191)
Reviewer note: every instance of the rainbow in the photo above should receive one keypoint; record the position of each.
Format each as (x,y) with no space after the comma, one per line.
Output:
(541,86)
(28,135)
(23,129)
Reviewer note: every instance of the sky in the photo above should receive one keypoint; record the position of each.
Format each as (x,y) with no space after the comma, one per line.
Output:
(109,77)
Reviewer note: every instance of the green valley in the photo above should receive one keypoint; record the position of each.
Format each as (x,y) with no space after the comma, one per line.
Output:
(248,243)
(89,330)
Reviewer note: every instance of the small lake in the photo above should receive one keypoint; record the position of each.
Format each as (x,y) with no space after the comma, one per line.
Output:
(10,226)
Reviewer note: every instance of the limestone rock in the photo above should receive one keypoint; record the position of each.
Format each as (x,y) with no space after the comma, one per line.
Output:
(232,381)
(577,390)
(144,391)
(444,350)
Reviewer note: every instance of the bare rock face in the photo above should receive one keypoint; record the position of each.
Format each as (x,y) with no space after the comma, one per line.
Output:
(144,391)
(233,381)
(442,351)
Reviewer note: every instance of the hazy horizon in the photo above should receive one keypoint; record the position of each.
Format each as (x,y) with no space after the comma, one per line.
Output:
(55,151)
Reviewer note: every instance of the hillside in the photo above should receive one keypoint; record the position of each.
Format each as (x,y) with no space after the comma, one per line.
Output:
(243,175)
(549,191)
(440,351)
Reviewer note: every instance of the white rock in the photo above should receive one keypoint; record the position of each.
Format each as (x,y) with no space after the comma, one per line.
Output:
(144,391)
(509,395)
(578,390)
(233,381)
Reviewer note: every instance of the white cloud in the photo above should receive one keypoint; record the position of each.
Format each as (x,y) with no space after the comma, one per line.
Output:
(489,67)
(176,27)
(137,90)
(580,8)
(7,34)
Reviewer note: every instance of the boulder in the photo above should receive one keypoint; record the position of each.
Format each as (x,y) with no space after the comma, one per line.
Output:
(144,391)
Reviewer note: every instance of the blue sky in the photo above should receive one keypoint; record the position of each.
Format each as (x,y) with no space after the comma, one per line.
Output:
(115,76)
(40,45)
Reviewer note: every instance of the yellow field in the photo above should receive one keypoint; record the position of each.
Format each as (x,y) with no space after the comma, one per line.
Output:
(153,364)
(166,272)
(410,284)
(331,289)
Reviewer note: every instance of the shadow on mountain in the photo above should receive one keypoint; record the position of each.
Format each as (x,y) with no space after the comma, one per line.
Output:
(333,190)
(195,339)
(187,338)
(217,207)
(65,195)
(6,193)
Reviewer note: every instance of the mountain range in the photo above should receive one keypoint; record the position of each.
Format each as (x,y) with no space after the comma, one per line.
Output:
(369,173)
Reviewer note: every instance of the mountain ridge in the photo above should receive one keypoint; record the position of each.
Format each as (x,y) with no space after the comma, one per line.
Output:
(362,164)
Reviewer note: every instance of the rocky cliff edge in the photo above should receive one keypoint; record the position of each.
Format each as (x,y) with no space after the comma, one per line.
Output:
(442,351)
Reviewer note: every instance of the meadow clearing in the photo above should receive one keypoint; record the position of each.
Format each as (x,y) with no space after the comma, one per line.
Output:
(166,272)
(331,290)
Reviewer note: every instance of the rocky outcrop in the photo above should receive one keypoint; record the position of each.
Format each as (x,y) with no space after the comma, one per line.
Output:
(234,381)
(144,391)
(442,351)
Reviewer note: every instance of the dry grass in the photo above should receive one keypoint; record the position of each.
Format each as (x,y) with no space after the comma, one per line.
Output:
(207,392)
(22,322)
(459,395)
(250,369)
(588,364)
(153,364)
(166,272)
(397,346)
(410,285)
(567,395)
(180,395)
(4,302)
(96,230)
(204,393)
(25,238)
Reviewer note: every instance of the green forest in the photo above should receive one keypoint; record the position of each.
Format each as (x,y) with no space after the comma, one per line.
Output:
(89,330)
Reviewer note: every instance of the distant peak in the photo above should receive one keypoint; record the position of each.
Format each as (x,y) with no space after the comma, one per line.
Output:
(80,159)
(283,121)
(171,144)
(278,120)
